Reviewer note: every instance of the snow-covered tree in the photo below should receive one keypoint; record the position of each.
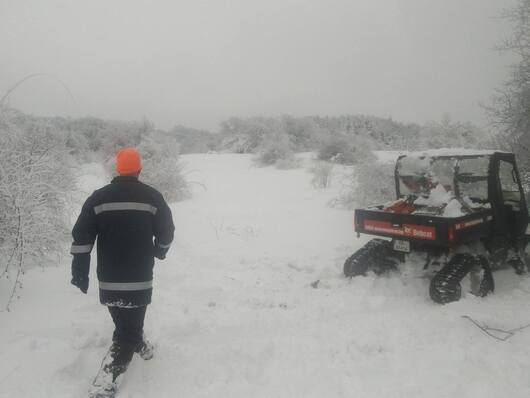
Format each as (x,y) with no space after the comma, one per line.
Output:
(246,135)
(509,110)
(35,182)
(446,133)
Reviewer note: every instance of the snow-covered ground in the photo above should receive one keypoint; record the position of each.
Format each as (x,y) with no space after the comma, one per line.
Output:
(251,302)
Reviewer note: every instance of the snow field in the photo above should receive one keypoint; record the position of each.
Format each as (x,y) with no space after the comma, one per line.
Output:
(251,301)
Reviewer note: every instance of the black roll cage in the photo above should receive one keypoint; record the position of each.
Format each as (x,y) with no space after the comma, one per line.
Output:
(494,187)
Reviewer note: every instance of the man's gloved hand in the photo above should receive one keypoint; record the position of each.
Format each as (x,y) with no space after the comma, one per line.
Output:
(160,253)
(80,282)
(80,269)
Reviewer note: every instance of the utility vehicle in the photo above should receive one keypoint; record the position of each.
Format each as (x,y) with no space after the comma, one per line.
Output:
(466,210)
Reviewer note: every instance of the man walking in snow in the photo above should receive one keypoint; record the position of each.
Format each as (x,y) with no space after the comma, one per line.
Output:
(125,216)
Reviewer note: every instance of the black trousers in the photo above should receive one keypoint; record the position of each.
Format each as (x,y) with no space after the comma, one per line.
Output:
(129,325)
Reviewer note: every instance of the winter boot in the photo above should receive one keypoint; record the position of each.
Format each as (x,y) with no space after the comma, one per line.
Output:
(114,364)
(145,349)
(103,387)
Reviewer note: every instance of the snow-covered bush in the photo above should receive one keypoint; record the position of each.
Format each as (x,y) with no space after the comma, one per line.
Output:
(116,135)
(304,133)
(322,172)
(194,140)
(35,182)
(375,182)
(247,135)
(336,151)
(369,183)
(347,151)
(275,148)
(162,169)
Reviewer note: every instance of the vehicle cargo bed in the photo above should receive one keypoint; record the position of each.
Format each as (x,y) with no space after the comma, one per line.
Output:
(428,229)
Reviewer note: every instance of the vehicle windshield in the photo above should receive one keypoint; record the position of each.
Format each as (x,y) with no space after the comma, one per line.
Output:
(435,178)
(419,175)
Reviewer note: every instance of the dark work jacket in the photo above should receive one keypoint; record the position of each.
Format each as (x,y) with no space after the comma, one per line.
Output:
(125,216)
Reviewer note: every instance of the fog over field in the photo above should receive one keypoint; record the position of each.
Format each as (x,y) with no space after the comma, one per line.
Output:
(198,62)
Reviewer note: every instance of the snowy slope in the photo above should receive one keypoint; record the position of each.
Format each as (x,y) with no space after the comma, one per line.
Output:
(235,314)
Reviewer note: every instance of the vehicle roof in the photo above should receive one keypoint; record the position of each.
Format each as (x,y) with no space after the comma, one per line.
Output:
(453,152)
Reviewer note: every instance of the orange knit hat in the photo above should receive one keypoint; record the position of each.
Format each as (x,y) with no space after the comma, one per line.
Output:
(128,161)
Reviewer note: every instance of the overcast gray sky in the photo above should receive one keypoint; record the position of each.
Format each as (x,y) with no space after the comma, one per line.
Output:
(197,62)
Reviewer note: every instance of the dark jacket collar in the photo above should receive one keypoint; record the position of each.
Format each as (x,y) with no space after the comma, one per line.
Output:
(124,179)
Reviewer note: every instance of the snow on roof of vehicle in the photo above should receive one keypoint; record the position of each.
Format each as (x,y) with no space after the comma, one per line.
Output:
(432,153)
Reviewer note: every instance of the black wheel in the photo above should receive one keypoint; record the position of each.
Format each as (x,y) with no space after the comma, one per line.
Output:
(445,286)
(377,256)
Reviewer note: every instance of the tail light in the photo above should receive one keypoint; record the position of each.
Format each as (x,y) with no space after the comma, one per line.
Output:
(451,233)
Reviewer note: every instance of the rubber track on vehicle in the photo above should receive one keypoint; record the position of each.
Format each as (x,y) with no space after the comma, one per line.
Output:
(375,256)
(445,286)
